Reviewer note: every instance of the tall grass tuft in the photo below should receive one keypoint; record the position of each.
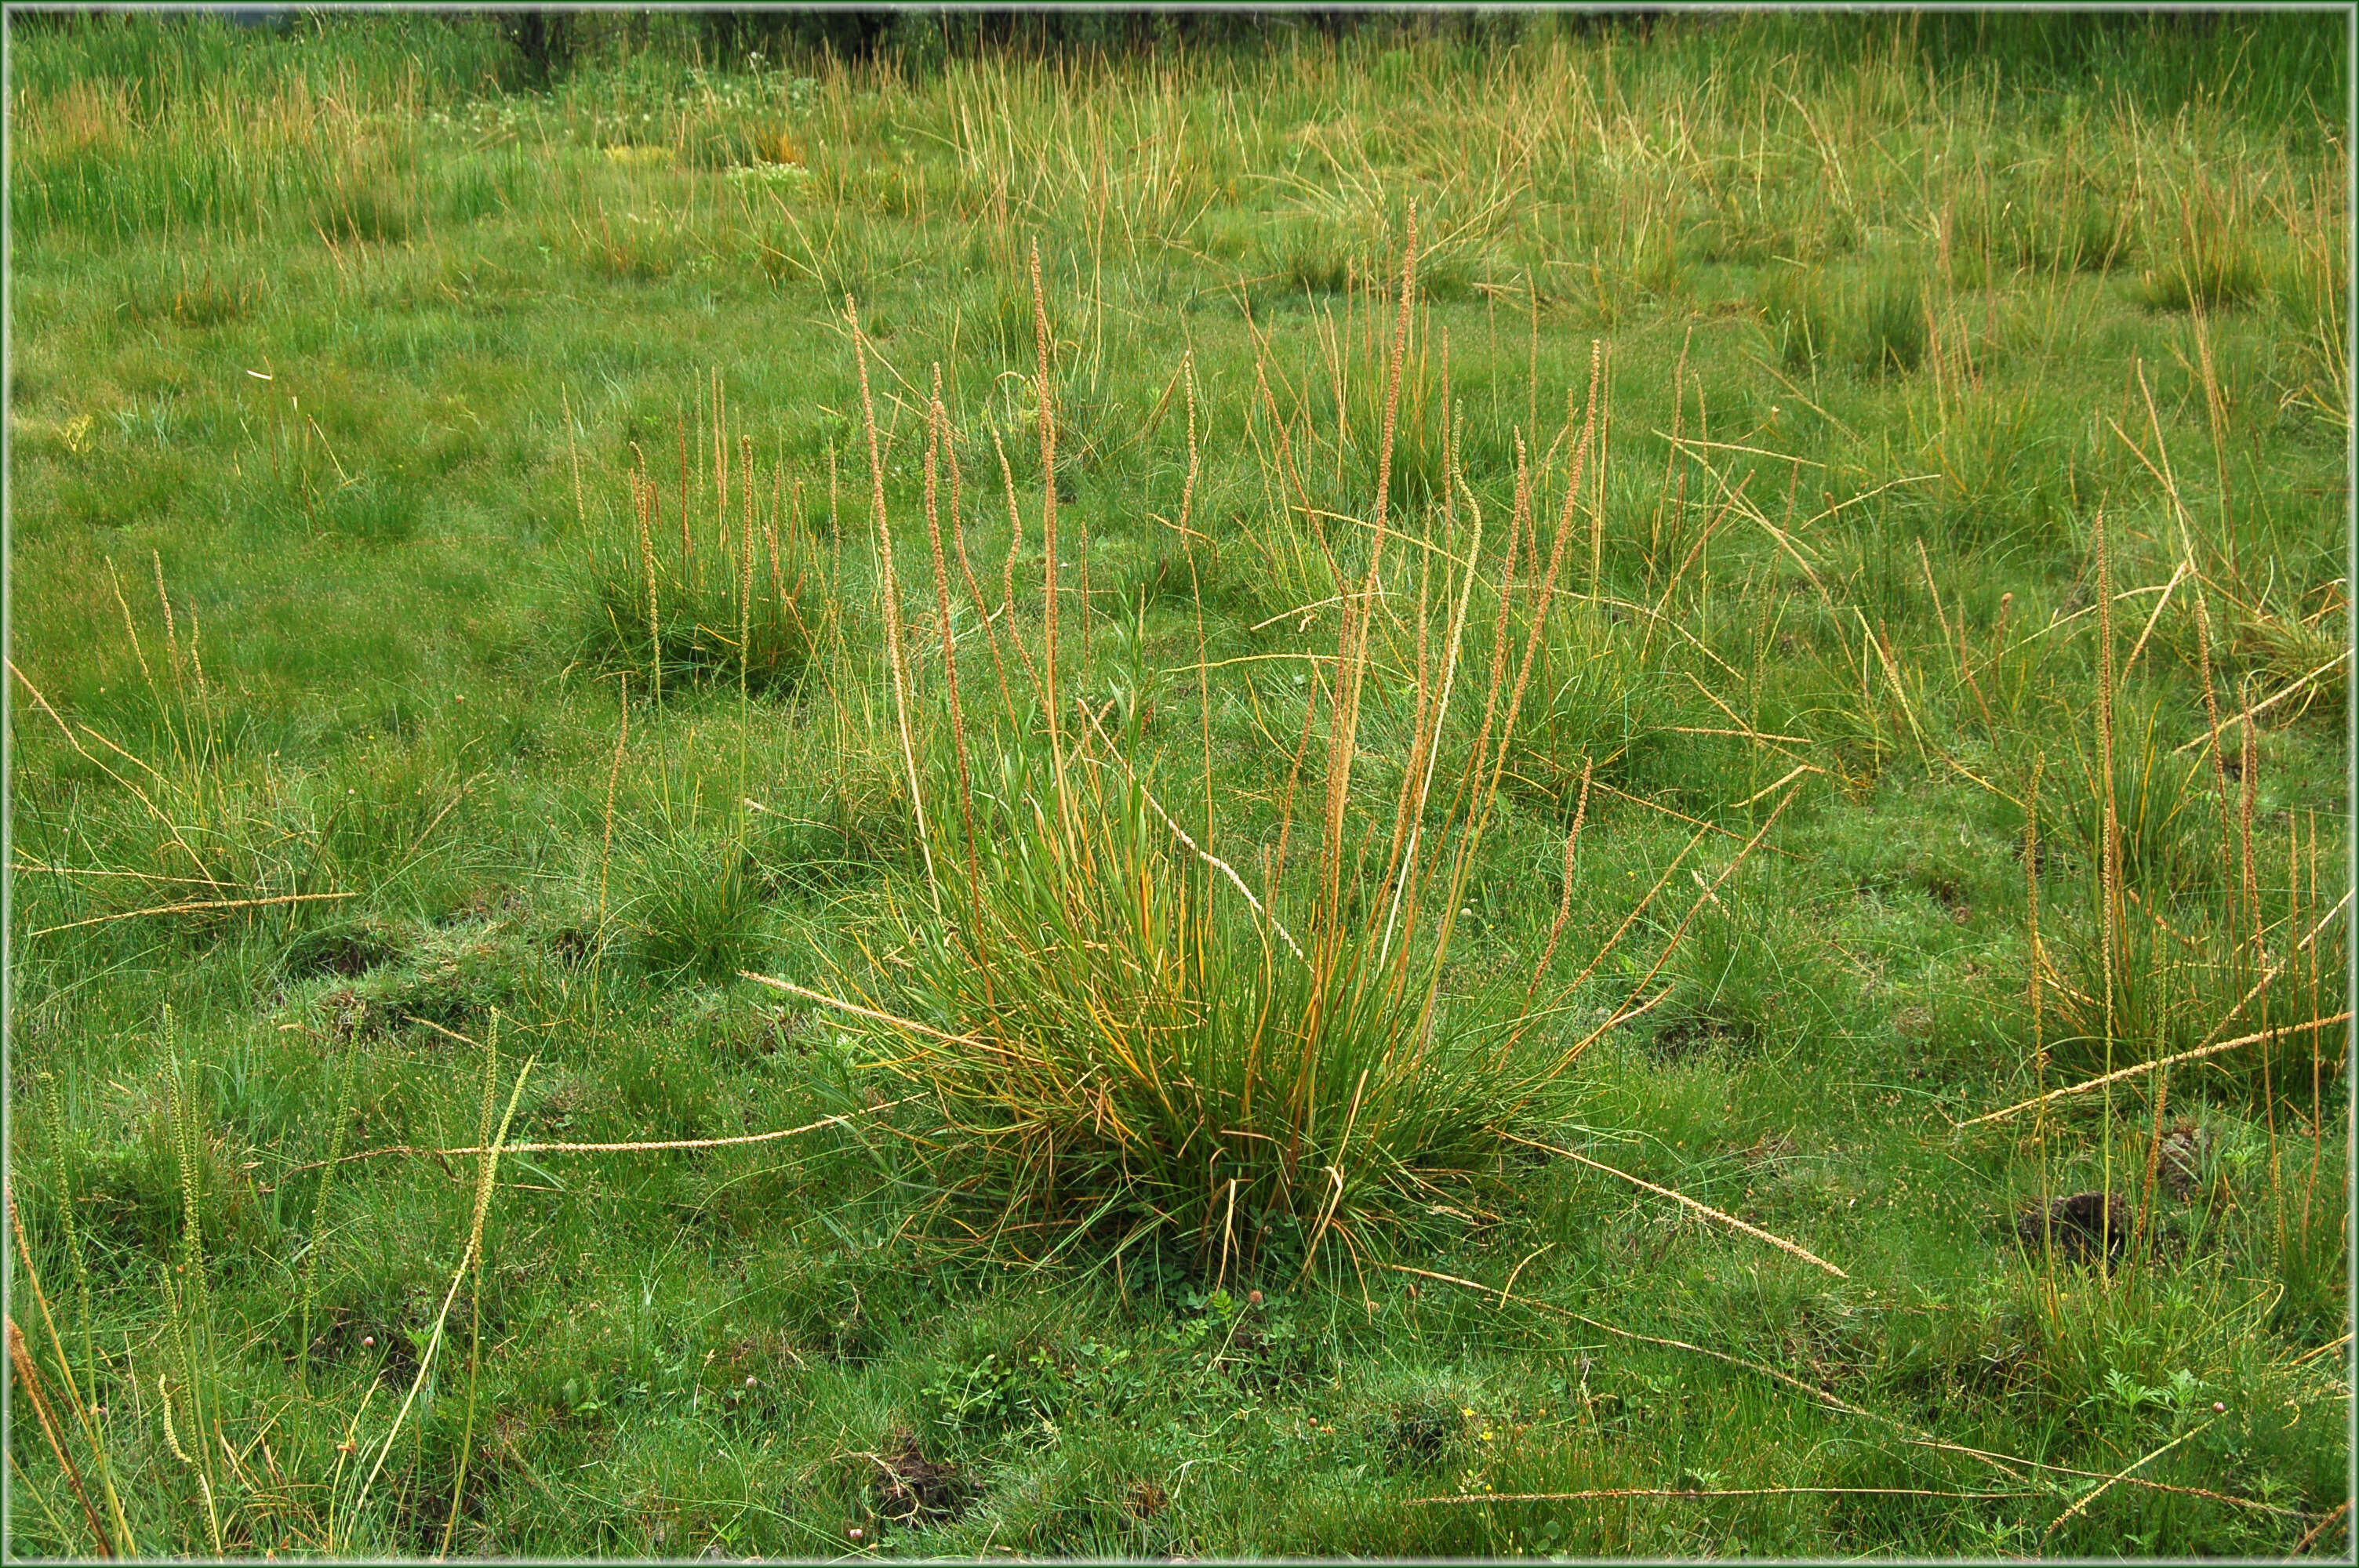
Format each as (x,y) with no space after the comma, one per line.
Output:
(1596,704)
(694,897)
(2185,945)
(1892,326)
(712,622)
(1135,1053)
(2205,259)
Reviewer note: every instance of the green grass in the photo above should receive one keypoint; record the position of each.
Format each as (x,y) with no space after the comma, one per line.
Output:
(360,395)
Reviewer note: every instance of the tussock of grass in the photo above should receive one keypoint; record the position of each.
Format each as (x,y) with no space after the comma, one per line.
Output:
(745,610)
(1113,1047)
(1747,980)
(2210,275)
(693,905)
(1800,318)
(1892,327)
(2307,656)
(1131,1055)
(695,640)
(2167,825)
(2204,258)
(1596,706)
(2136,986)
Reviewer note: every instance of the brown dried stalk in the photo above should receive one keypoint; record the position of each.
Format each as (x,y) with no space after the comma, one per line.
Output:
(29,1377)
(84,1414)
(680,428)
(1556,562)
(2038,954)
(660,1146)
(1600,1494)
(1597,507)
(1703,1208)
(2124,1075)
(720,448)
(643,492)
(1516,520)
(1417,777)
(190,906)
(1429,747)
(1196,592)
(2310,1538)
(745,571)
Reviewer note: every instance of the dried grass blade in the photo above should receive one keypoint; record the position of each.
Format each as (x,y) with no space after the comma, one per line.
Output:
(29,1376)
(2142,1068)
(2111,1481)
(191,907)
(1703,1208)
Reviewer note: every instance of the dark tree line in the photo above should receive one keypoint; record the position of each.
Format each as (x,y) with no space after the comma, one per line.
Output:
(547,38)
(2269,65)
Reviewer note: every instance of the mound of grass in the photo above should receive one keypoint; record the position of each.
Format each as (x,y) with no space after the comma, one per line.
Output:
(691,900)
(2181,987)
(1746,981)
(695,625)
(1892,326)
(2165,819)
(2308,655)
(2204,258)
(2145,972)
(1124,1049)
(1595,706)
(2210,275)
(1797,314)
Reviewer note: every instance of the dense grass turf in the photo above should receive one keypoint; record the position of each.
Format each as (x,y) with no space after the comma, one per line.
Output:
(450,647)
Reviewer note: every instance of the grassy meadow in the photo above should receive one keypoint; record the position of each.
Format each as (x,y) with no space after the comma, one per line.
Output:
(1285,800)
